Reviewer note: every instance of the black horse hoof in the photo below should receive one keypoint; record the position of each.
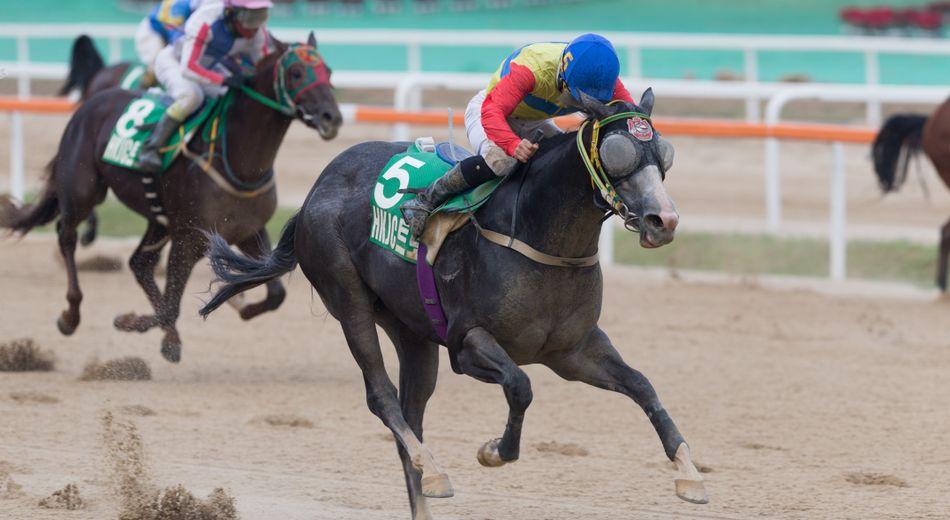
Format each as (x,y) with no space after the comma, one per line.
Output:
(65,328)
(171,351)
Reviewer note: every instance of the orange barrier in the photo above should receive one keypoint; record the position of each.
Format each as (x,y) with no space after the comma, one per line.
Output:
(40,105)
(689,127)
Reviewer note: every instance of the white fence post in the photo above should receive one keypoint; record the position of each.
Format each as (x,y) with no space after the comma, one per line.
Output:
(17,182)
(837,241)
(872,76)
(115,49)
(606,243)
(751,72)
(773,186)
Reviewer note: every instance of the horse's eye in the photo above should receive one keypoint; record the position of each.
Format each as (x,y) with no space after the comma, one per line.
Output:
(296,74)
(619,155)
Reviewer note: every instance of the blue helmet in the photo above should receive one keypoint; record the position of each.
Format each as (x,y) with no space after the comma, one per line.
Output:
(590,65)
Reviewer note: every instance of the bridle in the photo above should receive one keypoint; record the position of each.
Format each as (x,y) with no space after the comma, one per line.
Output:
(286,103)
(598,176)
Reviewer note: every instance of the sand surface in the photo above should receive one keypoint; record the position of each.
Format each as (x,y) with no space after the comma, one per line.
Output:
(798,405)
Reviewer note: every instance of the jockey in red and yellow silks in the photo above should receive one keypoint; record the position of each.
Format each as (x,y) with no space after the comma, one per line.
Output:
(532,86)
(526,87)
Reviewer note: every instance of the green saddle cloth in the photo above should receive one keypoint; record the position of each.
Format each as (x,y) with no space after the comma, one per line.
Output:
(411,171)
(137,121)
(132,79)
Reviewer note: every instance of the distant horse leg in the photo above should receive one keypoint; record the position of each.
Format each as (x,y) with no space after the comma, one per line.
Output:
(418,371)
(69,319)
(596,362)
(944,257)
(92,228)
(256,247)
(484,359)
(142,263)
(184,254)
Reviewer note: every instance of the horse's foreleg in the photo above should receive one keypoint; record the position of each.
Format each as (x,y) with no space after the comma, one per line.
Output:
(418,372)
(596,362)
(69,319)
(184,254)
(484,359)
(256,247)
(944,257)
(142,263)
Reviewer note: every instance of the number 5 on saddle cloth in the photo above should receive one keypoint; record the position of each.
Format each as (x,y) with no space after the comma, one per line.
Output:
(405,175)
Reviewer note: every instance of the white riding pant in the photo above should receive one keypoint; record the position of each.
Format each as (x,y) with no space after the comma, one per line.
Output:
(188,94)
(497,159)
(148,43)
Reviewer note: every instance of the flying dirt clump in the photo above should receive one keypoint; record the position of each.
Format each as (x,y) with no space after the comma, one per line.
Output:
(139,497)
(66,498)
(23,355)
(122,369)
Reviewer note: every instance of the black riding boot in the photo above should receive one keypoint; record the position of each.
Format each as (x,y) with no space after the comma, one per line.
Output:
(150,157)
(416,211)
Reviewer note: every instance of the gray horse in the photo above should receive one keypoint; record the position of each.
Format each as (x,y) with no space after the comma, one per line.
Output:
(503,309)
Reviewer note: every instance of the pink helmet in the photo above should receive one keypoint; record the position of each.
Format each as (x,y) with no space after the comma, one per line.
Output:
(249,4)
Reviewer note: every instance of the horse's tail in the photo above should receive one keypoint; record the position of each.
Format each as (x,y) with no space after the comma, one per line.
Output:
(240,273)
(21,219)
(897,142)
(83,66)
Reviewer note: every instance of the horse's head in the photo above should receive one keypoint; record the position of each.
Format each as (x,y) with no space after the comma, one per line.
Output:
(302,85)
(632,160)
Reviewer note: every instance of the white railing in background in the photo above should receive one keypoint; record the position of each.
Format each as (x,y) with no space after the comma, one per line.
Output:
(750,46)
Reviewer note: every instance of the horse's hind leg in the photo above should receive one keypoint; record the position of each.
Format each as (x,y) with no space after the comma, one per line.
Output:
(185,253)
(597,362)
(484,359)
(69,319)
(256,247)
(351,304)
(142,263)
(418,371)
(944,257)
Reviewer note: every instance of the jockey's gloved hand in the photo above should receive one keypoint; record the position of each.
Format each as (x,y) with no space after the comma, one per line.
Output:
(234,81)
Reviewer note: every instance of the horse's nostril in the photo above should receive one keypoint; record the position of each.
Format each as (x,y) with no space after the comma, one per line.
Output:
(328,117)
(653,221)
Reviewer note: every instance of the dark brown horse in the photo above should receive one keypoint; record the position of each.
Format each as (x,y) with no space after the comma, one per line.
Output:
(194,202)
(902,137)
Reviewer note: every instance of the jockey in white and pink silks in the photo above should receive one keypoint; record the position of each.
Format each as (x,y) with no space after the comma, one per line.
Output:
(202,63)
(163,26)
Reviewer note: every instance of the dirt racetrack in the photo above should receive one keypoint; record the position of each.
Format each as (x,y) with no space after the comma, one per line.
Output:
(797,405)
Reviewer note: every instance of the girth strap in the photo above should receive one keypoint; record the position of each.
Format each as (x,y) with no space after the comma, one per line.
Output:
(533,254)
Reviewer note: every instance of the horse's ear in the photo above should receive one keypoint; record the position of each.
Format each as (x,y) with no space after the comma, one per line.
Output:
(646,101)
(594,107)
(277,44)
(312,40)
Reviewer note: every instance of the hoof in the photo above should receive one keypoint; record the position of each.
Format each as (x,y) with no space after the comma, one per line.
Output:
(171,351)
(488,455)
(131,322)
(437,486)
(65,328)
(689,485)
(692,491)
